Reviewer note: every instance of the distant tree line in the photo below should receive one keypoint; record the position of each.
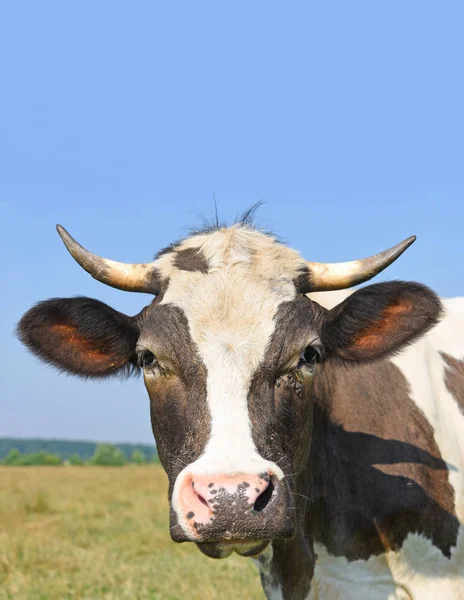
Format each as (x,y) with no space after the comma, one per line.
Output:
(103,454)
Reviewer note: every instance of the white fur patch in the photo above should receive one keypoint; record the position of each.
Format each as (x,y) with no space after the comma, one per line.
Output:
(230,311)
(418,572)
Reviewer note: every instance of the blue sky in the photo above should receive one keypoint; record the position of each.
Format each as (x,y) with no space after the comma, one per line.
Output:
(122,120)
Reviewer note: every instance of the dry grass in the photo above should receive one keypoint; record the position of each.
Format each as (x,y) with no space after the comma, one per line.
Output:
(95,532)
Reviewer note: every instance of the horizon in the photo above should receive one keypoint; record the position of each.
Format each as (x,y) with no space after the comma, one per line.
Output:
(55,439)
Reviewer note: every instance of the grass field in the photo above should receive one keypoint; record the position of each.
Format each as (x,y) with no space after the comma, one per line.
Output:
(96,532)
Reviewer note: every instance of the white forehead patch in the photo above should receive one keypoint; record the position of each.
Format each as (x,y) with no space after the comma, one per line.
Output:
(230,311)
(232,306)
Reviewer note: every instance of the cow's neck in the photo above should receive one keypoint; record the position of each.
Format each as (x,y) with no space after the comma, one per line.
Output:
(286,568)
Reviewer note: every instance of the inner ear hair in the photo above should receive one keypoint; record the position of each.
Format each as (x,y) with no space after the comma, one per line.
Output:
(82,336)
(379,320)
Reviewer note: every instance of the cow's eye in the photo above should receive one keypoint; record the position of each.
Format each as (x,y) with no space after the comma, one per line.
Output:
(147,359)
(311,355)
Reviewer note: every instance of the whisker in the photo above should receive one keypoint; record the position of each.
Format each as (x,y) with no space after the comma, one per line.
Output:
(302,495)
(158,518)
(304,534)
(174,464)
(182,462)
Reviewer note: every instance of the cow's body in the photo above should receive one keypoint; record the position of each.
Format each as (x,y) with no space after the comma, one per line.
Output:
(285,432)
(405,416)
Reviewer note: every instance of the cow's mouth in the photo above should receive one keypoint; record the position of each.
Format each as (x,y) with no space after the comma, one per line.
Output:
(224,549)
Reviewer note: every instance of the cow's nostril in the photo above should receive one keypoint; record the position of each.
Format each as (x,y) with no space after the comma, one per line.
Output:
(263,499)
(202,500)
(199,496)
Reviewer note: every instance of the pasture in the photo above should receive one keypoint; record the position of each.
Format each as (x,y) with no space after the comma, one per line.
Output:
(102,532)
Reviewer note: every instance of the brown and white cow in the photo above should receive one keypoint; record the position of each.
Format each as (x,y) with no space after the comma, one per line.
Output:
(325,442)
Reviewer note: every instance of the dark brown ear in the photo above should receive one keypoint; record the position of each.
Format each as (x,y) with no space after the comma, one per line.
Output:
(379,320)
(81,336)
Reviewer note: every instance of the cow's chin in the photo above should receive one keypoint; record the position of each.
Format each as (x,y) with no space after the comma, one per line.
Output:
(225,549)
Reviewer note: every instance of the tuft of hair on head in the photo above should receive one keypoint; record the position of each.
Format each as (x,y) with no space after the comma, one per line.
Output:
(247,219)
(210,225)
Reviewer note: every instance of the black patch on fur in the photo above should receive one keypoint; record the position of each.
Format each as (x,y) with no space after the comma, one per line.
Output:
(302,282)
(191,259)
(81,336)
(155,282)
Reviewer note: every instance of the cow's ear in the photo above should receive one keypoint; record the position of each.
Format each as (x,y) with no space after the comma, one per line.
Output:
(379,320)
(81,336)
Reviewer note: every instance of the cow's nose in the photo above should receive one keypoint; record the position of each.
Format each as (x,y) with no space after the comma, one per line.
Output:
(202,497)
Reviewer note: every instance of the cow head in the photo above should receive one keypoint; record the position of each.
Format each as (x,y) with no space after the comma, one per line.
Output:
(229,351)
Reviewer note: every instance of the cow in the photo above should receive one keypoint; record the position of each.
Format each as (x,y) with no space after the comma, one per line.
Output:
(318,432)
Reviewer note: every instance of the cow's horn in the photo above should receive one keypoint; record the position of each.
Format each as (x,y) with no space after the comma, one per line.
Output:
(323,277)
(123,276)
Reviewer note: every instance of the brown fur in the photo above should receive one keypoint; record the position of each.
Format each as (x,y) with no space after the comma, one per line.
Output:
(454,378)
(387,476)
(178,409)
